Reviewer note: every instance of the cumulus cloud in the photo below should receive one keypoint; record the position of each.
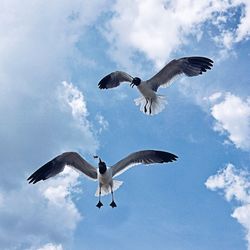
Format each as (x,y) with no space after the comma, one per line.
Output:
(136,26)
(38,49)
(39,40)
(235,184)
(232,117)
(41,213)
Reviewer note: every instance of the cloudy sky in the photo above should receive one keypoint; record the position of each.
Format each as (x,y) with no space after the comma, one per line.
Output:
(53,54)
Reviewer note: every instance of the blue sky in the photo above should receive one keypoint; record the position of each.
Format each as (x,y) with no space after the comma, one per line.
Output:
(53,54)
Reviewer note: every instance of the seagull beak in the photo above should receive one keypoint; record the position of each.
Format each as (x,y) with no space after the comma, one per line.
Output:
(132,84)
(97,157)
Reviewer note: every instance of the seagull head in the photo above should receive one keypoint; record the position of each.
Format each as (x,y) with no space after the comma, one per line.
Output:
(102,166)
(135,82)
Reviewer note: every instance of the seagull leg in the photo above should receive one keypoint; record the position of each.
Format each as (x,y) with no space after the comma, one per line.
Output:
(112,204)
(150,105)
(99,204)
(145,107)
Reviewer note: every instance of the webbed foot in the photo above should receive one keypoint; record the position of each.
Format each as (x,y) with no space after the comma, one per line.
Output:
(99,204)
(112,204)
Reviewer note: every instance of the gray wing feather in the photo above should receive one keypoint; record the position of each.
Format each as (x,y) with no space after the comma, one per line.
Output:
(142,157)
(114,79)
(190,66)
(56,165)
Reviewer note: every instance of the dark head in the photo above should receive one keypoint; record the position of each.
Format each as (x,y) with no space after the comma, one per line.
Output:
(135,82)
(102,166)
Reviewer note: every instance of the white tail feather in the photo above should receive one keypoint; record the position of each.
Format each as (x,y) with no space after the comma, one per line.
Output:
(105,190)
(158,104)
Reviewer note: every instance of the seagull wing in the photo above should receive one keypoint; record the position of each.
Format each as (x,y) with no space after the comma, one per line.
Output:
(56,165)
(142,157)
(114,79)
(190,66)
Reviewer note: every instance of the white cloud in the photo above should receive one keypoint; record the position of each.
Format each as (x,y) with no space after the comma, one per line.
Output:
(36,214)
(225,39)
(57,190)
(71,98)
(159,28)
(242,215)
(39,39)
(235,184)
(50,246)
(103,123)
(213,98)
(243,29)
(38,48)
(232,117)
(74,98)
(237,32)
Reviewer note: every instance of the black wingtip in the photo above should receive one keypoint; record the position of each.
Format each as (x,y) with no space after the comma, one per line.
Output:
(167,157)
(103,83)
(202,63)
(33,180)
(174,157)
(30,179)
(200,59)
(42,173)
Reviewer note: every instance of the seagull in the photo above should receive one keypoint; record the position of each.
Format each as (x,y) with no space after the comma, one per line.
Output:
(150,102)
(103,174)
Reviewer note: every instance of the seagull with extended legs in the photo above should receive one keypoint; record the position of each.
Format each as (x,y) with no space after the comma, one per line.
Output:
(150,102)
(103,174)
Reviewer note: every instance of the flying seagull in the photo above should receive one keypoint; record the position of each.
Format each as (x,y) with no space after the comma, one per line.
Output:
(103,174)
(150,102)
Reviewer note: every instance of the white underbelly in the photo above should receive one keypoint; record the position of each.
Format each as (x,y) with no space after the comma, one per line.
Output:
(106,178)
(146,91)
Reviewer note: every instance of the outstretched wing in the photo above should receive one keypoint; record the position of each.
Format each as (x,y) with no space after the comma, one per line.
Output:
(142,157)
(190,66)
(56,165)
(114,79)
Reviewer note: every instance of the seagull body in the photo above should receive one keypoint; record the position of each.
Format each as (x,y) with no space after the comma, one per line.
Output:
(103,174)
(146,91)
(151,103)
